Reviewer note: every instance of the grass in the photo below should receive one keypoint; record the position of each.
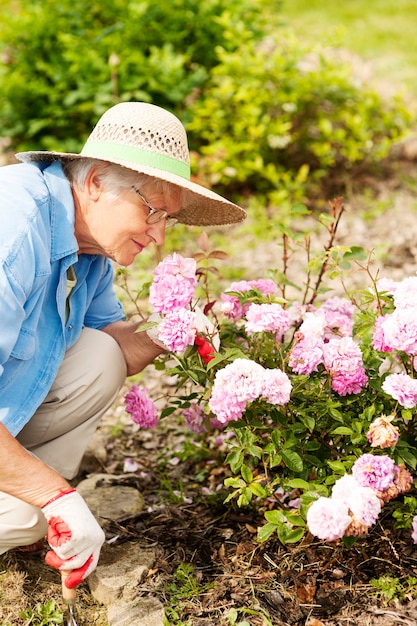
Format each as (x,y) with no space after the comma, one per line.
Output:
(380,31)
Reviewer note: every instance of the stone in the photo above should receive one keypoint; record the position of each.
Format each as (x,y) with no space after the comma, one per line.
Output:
(109,501)
(95,456)
(120,571)
(140,612)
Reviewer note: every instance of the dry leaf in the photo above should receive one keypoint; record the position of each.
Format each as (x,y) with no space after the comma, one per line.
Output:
(312,621)
(306,593)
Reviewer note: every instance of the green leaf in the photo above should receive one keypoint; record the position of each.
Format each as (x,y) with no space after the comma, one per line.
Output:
(292,460)
(258,490)
(275,517)
(246,473)
(275,460)
(295,519)
(349,541)
(309,422)
(337,466)
(342,430)
(235,482)
(168,411)
(235,460)
(297,483)
(254,451)
(287,535)
(245,497)
(337,415)
(356,253)
(264,532)
(408,458)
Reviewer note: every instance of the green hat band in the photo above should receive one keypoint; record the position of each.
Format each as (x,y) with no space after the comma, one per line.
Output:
(105,150)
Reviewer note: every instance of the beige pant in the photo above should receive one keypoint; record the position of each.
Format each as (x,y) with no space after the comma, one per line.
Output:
(87,383)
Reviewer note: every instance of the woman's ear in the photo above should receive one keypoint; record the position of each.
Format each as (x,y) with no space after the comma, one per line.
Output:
(92,186)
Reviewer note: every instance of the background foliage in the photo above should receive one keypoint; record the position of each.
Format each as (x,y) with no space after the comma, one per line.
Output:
(64,63)
(265,113)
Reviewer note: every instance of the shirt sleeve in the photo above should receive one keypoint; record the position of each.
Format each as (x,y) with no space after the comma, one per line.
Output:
(12,298)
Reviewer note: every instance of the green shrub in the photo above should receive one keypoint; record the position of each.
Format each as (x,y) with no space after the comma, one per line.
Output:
(63,63)
(265,114)
(278,111)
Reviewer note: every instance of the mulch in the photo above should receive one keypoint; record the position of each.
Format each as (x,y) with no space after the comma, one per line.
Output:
(309,583)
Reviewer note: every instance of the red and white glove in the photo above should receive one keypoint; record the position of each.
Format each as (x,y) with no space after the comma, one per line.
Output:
(74,536)
(202,324)
(206,327)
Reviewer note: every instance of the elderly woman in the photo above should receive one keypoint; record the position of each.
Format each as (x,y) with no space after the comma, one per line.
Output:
(65,346)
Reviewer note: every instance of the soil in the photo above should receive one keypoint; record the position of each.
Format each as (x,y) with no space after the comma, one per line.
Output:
(208,561)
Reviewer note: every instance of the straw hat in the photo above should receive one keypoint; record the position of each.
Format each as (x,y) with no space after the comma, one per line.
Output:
(151,140)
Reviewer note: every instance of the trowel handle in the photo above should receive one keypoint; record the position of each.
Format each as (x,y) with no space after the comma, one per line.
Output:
(69,595)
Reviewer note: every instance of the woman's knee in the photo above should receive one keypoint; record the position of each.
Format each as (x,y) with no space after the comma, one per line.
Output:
(20,523)
(111,365)
(98,362)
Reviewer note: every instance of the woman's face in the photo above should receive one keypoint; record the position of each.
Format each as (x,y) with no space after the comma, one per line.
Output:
(118,229)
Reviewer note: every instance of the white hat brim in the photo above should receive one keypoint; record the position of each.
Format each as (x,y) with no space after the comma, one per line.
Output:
(201,206)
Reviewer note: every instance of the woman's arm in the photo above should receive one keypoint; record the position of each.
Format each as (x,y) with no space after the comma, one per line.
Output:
(138,349)
(24,476)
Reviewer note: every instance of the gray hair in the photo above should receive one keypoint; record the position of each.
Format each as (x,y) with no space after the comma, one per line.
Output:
(115,178)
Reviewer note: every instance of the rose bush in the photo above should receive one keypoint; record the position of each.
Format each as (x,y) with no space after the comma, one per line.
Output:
(314,396)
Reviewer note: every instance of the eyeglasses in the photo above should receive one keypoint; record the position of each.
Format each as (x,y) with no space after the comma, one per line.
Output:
(156,215)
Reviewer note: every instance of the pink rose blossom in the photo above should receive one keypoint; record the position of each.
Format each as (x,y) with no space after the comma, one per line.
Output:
(231,305)
(344,487)
(169,292)
(297,311)
(374,471)
(176,264)
(349,383)
(276,387)
(328,519)
(386,285)
(265,286)
(400,330)
(174,283)
(306,355)
(343,360)
(340,306)
(313,325)
(194,417)
(339,316)
(242,382)
(405,294)
(234,386)
(378,339)
(141,408)
(177,330)
(361,501)
(342,355)
(266,317)
(402,388)
(365,505)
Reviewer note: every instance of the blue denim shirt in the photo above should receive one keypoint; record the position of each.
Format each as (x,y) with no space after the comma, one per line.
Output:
(37,246)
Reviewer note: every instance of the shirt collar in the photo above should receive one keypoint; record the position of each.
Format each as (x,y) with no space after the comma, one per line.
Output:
(63,241)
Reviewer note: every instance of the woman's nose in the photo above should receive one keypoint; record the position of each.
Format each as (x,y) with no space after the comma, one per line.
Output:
(157,232)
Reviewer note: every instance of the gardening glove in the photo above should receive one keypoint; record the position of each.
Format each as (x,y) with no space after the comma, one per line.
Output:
(206,327)
(202,325)
(74,536)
